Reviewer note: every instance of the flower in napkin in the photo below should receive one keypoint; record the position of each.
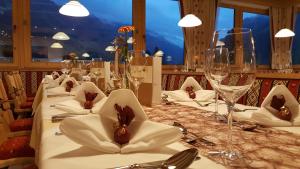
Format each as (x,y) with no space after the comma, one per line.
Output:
(77,104)
(89,97)
(55,75)
(97,132)
(268,113)
(69,83)
(190,91)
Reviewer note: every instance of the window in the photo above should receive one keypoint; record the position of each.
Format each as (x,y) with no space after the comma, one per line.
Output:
(225,18)
(260,26)
(162,31)
(6,40)
(89,36)
(296,42)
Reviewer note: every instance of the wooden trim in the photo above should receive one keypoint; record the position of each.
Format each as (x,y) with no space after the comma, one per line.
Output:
(258,75)
(139,21)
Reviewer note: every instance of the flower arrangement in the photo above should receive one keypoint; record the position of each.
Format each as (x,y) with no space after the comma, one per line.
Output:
(122,42)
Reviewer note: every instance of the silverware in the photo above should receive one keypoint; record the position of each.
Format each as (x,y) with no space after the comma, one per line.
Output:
(243,110)
(58,118)
(192,139)
(203,104)
(180,160)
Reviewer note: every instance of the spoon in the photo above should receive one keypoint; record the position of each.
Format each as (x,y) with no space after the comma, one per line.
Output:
(180,160)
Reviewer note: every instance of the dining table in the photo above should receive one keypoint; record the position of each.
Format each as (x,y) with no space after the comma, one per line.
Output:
(261,147)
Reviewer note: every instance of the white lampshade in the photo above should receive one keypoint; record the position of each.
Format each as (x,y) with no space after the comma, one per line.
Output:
(220,43)
(130,40)
(189,20)
(74,8)
(86,55)
(284,33)
(56,45)
(60,36)
(110,49)
(159,53)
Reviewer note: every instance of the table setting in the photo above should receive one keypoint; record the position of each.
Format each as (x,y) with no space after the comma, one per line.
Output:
(89,128)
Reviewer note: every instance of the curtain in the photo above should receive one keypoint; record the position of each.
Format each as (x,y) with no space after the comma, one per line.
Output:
(281,47)
(197,39)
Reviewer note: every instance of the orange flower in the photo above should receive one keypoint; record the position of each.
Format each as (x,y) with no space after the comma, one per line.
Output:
(123,29)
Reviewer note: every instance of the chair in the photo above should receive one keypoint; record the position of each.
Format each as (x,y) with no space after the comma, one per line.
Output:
(21,106)
(13,127)
(16,151)
(20,86)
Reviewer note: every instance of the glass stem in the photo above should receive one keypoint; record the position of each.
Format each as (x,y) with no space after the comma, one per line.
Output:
(216,103)
(137,92)
(229,122)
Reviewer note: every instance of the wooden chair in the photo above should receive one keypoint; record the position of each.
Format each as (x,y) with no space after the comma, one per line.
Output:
(13,127)
(21,106)
(20,86)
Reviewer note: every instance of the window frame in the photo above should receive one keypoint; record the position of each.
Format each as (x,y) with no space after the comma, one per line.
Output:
(16,32)
(238,22)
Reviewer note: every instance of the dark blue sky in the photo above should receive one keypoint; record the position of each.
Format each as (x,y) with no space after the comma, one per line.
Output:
(161,17)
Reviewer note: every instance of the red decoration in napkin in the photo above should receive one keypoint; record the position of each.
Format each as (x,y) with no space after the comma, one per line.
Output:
(190,91)
(277,102)
(69,86)
(55,76)
(125,116)
(89,97)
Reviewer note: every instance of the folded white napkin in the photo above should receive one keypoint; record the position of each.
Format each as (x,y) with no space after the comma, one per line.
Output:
(183,96)
(97,132)
(75,105)
(190,81)
(51,83)
(64,83)
(265,117)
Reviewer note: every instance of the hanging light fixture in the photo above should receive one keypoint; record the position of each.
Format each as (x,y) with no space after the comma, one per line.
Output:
(284,33)
(74,8)
(110,49)
(189,20)
(56,45)
(86,55)
(60,36)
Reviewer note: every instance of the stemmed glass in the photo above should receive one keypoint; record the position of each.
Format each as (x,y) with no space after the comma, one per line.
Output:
(234,55)
(136,70)
(65,66)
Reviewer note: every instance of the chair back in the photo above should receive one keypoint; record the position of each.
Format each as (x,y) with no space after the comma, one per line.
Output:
(14,93)
(5,104)
(20,86)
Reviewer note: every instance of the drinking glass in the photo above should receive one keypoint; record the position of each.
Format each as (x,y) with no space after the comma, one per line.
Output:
(136,70)
(66,66)
(234,56)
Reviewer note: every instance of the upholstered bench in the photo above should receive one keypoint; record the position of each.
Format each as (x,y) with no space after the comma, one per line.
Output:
(254,97)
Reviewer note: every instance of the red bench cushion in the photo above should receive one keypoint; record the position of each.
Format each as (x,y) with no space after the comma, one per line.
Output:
(21,124)
(16,147)
(26,105)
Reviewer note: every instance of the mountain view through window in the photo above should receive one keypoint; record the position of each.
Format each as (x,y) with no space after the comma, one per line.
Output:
(6,45)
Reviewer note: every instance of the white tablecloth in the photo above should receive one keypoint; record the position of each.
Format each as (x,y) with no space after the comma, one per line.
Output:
(59,152)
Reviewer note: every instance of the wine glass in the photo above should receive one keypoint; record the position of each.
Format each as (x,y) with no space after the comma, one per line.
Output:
(66,66)
(234,55)
(136,70)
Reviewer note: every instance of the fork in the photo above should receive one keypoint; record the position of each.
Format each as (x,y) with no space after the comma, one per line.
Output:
(243,110)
